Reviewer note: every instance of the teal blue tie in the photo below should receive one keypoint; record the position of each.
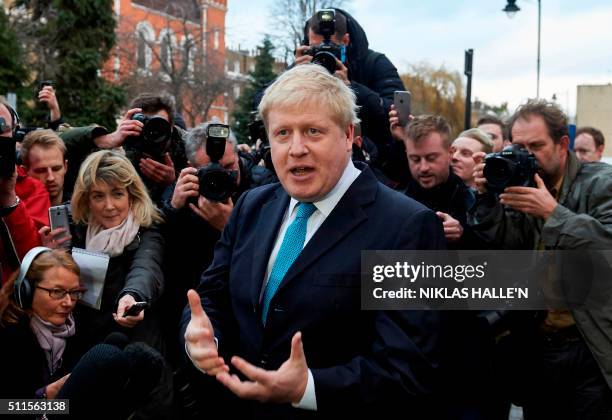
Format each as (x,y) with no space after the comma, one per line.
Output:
(290,248)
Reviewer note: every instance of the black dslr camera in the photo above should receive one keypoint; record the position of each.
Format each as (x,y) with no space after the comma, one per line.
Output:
(216,182)
(325,54)
(154,140)
(513,166)
(8,153)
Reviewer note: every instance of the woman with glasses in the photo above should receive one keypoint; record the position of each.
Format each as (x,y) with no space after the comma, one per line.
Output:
(37,328)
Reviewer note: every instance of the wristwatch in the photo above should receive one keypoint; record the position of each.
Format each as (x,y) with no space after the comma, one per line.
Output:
(5,211)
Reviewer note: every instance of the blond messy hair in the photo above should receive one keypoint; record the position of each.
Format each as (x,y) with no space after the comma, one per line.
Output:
(307,84)
(114,170)
(41,138)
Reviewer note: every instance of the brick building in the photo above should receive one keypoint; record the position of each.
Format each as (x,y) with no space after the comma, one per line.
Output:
(176,47)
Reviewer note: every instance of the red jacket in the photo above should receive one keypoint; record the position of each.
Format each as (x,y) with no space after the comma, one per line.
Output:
(19,230)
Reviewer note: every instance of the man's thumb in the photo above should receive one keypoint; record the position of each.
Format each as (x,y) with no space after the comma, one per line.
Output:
(297,348)
(195,305)
(442,216)
(539,181)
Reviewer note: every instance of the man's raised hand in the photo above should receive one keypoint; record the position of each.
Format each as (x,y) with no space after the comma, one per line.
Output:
(199,340)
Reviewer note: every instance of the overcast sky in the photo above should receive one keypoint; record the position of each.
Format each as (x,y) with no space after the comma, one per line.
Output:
(576,41)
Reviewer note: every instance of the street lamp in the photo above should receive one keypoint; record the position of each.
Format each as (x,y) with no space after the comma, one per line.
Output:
(511,9)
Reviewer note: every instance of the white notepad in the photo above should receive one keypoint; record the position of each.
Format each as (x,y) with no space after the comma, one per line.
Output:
(93,267)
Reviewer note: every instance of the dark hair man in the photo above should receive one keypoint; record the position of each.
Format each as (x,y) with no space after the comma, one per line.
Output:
(282,294)
(589,144)
(566,353)
(158,171)
(496,129)
(371,76)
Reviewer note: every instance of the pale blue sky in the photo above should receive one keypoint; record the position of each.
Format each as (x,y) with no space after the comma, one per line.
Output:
(576,41)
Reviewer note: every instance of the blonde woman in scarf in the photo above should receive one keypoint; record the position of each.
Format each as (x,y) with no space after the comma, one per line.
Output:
(113,214)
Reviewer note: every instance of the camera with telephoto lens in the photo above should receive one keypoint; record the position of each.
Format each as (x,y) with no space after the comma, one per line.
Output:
(216,182)
(325,53)
(513,166)
(154,140)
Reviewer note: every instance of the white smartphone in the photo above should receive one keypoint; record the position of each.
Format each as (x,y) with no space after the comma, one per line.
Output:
(58,217)
(401,100)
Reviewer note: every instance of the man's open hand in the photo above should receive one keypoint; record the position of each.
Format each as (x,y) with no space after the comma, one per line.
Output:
(199,340)
(285,385)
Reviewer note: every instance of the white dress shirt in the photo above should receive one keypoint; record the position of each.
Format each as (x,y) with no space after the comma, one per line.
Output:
(324,209)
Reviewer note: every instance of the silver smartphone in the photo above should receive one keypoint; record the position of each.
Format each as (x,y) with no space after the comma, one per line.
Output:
(58,217)
(401,100)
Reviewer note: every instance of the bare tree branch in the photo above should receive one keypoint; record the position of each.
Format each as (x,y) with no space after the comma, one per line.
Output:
(289,17)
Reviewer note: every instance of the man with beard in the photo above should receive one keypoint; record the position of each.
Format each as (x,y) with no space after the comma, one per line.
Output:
(561,360)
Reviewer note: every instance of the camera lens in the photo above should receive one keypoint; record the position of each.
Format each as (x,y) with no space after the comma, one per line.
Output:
(325,59)
(156,130)
(216,183)
(499,173)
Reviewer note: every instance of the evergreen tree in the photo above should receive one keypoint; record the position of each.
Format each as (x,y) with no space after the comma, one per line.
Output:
(12,69)
(78,37)
(258,79)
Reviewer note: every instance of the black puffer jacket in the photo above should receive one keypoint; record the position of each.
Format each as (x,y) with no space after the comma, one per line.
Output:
(138,272)
(374,79)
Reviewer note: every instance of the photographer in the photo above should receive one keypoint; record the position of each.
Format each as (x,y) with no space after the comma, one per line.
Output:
(152,142)
(24,201)
(369,74)
(194,222)
(560,360)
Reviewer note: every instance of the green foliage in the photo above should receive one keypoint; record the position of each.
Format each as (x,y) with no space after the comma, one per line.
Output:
(12,69)
(78,37)
(258,80)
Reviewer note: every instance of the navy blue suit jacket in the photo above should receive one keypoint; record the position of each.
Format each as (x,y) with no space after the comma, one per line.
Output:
(361,361)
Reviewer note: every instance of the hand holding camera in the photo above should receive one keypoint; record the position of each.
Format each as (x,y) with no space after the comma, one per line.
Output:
(187,187)
(302,56)
(537,201)
(479,178)
(126,128)
(8,197)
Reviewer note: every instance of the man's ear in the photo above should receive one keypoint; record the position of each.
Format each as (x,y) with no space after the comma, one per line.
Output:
(350,133)
(564,142)
(346,39)
(66,164)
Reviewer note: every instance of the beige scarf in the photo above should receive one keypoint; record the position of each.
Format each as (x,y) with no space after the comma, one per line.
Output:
(112,241)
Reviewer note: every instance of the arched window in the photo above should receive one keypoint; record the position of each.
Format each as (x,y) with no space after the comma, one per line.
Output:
(145,35)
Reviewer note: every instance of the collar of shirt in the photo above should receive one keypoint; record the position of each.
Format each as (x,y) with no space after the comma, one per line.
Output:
(327,204)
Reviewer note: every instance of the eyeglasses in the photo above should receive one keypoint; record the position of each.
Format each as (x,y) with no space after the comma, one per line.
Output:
(58,294)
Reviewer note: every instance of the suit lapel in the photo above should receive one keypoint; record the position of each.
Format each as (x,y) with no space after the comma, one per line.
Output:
(347,214)
(270,219)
